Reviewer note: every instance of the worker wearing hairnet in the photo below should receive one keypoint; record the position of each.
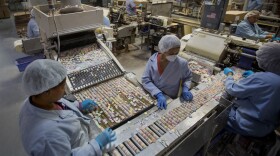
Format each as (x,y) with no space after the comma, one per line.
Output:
(52,125)
(256,110)
(165,72)
(248,28)
(130,7)
(32,26)
(254,5)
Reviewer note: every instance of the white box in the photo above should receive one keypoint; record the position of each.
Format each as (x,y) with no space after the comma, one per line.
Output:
(90,18)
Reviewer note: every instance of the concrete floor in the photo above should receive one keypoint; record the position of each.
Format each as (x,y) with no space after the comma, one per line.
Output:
(135,60)
(11,93)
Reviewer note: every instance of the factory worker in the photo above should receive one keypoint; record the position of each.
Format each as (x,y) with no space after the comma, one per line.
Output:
(106,21)
(248,28)
(32,26)
(256,110)
(166,72)
(130,7)
(254,5)
(51,125)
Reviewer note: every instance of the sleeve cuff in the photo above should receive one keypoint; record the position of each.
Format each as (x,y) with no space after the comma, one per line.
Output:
(96,147)
(187,84)
(77,104)
(155,92)
(262,36)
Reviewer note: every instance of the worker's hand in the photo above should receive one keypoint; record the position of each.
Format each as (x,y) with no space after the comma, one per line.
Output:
(247,73)
(140,5)
(106,137)
(88,106)
(228,71)
(186,94)
(161,101)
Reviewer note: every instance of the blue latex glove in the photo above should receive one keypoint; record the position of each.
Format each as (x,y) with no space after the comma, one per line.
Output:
(186,94)
(107,136)
(227,71)
(140,5)
(247,73)
(88,106)
(161,101)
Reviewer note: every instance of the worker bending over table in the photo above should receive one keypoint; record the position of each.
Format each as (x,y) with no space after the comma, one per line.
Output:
(166,72)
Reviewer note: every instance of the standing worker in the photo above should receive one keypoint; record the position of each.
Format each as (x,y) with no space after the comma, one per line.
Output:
(32,26)
(248,28)
(130,7)
(165,72)
(49,124)
(256,110)
(254,5)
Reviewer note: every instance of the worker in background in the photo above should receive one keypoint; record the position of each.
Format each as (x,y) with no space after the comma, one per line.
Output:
(130,7)
(254,5)
(165,72)
(32,26)
(106,21)
(256,109)
(248,28)
(52,125)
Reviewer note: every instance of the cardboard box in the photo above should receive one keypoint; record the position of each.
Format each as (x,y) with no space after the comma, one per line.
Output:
(2,2)
(1,13)
(6,12)
(234,16)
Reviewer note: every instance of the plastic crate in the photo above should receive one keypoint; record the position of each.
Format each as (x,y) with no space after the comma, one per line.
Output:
(22,63)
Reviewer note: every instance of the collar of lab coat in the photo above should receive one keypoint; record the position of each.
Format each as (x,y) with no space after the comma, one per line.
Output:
(56,114)
(253,26)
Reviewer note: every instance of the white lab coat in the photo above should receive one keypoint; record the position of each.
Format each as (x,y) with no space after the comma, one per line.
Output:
(32,29)
(56,132)
(169,81)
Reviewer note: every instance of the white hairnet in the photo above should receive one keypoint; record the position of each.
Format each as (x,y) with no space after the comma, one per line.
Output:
(32,13)
(168,42)
(42,75)
(268,57)
(251,13)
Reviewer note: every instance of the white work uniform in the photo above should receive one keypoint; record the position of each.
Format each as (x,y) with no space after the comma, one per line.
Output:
(56,132)
(169,81)
(32,29)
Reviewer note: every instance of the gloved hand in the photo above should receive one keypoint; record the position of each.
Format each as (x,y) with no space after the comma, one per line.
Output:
(107,136)
(247,73)
(88,106)
(227,71)
(161,101)
(140,5)
(186,94)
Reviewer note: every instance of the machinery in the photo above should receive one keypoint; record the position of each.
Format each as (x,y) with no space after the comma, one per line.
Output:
(184,128)
(219,51)
(93,72)
(160,20)
(125,35)
(189,8)
(124,26)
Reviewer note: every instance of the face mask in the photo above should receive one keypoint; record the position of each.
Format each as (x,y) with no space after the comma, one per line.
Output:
(171,58)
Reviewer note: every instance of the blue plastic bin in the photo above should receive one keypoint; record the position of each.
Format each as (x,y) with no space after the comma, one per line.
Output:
(22,63)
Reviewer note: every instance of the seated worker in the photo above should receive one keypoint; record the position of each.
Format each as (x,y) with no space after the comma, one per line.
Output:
(32,26)
(249,29)
(51,125)
(165,72)
(130,7)
(256,109)
(254,5)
